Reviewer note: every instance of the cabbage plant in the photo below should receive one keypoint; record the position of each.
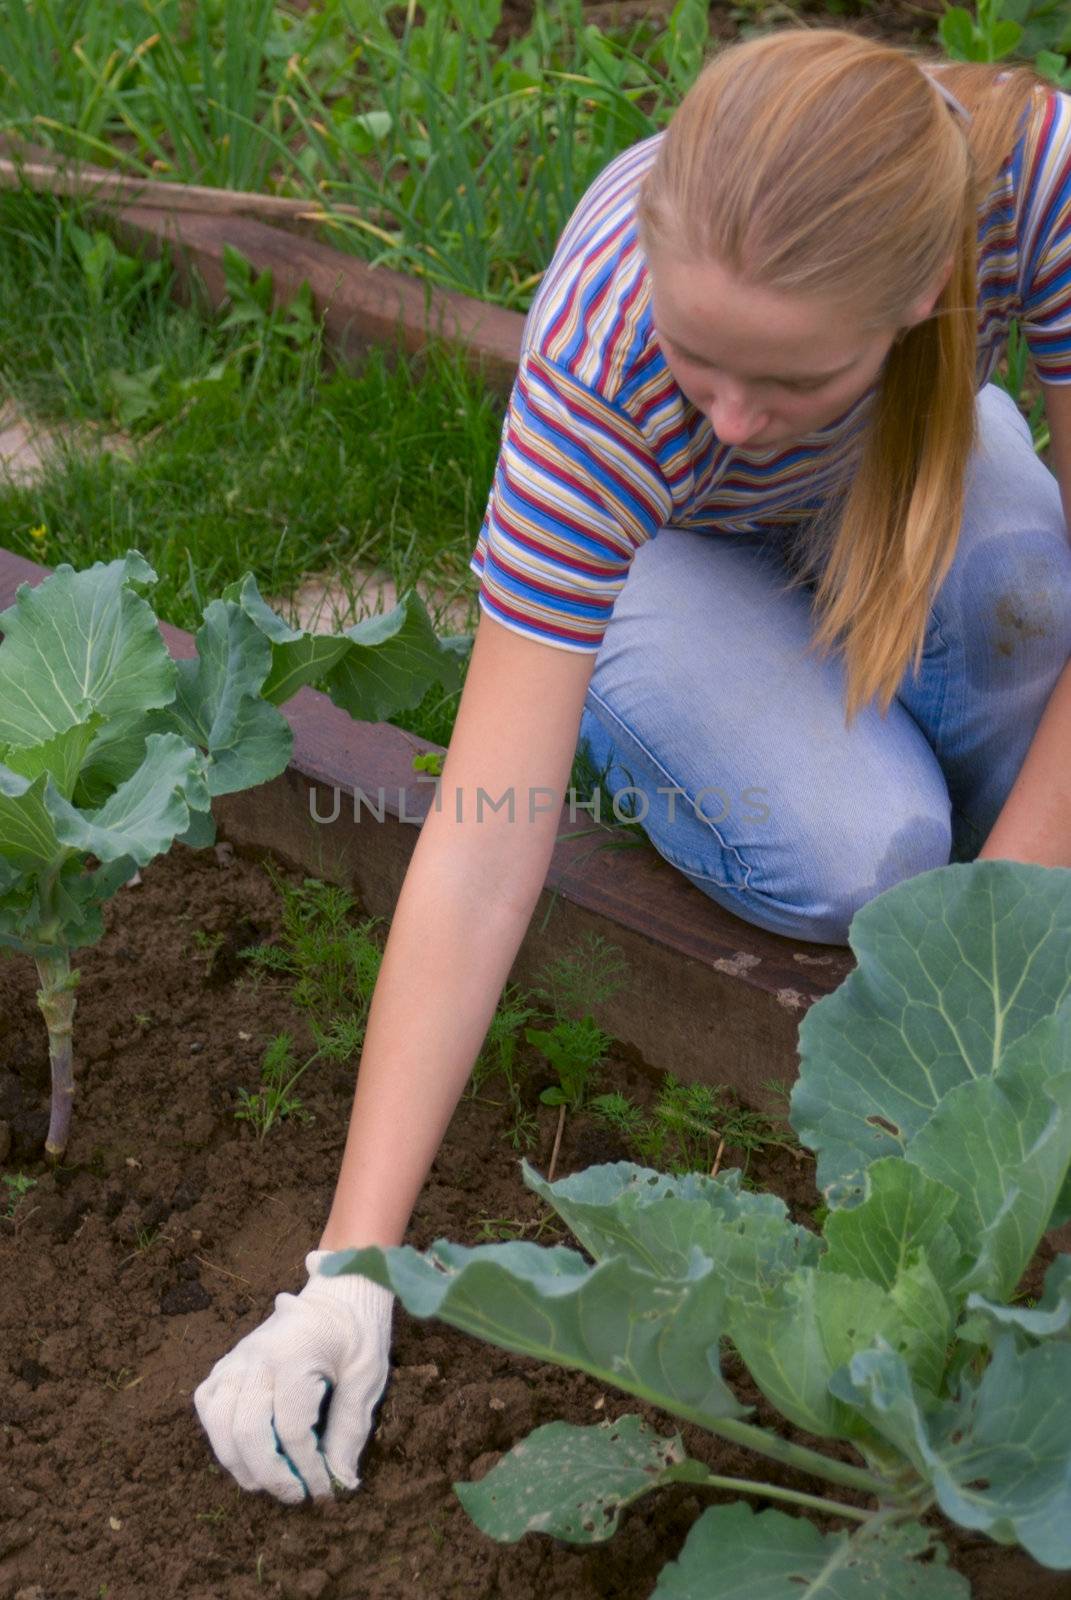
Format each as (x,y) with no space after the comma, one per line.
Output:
(110,750)
(935,1089)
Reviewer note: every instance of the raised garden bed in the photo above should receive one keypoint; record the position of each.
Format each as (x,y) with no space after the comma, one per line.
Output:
(167,1235)
(732,994)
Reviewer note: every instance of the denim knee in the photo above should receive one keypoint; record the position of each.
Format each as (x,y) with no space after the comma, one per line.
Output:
(863,865)
(817,860)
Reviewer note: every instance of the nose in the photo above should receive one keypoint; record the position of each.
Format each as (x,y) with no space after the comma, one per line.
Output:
(735,421)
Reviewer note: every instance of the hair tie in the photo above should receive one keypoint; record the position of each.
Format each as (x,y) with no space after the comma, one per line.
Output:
(947,95)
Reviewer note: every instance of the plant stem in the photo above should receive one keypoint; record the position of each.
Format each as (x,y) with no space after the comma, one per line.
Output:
(557,1143)
(830,1508)
(778,1449)
(56,1000)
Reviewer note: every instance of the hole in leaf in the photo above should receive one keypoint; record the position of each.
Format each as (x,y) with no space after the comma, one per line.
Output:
(883,1122)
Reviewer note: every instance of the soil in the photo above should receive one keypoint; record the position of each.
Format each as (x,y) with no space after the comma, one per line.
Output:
(165,1237)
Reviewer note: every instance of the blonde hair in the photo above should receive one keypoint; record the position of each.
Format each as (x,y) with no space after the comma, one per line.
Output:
(815,162)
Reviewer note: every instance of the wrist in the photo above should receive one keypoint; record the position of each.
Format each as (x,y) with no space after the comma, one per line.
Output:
(369,1298)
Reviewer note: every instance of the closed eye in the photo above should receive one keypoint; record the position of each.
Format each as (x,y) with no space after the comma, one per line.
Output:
(794,386)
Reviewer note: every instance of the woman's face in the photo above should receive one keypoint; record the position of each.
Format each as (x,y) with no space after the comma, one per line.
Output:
(765,369)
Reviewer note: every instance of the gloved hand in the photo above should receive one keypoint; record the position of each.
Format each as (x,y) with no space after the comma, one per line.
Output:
(262,1403)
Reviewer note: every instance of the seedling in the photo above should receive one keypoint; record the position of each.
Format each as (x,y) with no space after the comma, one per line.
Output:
(274,1100)
(110,751)
(575,1048)
(329,961)
(935,1092)
(691,1126)
(18,1186)
(208,944)
(583,977)
(499,1058)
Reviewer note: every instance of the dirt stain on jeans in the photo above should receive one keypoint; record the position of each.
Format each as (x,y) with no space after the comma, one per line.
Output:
(1021,620)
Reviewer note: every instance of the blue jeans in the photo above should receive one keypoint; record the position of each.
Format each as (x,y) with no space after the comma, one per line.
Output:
(732,740)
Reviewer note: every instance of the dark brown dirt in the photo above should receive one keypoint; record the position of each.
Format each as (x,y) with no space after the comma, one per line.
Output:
(165,1238)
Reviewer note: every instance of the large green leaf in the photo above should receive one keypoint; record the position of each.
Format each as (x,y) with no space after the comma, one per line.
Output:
(999,1458)
(218,704)
(116,752)
(656,1221)
(374,670)
(806,1328)
(955,966)
(1049,1319)
(575,1482)
(297,658)
(900,1238)
(141,819)
(80,895)
(395,660)
(61,757)
(27,832)
(1002,1145)
(734,1553)
(902,1211)
(657,1338)
(78,643)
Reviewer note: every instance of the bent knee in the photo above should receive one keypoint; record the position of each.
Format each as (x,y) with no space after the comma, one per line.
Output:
(832,878)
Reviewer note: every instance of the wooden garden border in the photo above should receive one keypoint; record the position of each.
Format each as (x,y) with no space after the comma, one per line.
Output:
(362,305)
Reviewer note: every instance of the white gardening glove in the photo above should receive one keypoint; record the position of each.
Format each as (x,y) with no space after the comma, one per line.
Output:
(261,1405)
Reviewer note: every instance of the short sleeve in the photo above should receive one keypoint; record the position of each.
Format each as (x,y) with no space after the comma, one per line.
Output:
(576,491)
(1045,242)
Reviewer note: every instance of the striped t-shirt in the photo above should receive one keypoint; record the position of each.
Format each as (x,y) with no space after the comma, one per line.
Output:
(600,449)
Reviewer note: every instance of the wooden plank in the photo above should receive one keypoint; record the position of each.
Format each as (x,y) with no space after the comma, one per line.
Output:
(363,307)
(50,172)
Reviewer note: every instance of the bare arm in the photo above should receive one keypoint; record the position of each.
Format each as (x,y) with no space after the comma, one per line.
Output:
(1035,822)
(463,910)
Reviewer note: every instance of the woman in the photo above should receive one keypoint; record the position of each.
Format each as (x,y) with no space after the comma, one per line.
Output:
(754,383)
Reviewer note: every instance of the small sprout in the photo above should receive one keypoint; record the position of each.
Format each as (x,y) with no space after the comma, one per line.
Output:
(18,1185)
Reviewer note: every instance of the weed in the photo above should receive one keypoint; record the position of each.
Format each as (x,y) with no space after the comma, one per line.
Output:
(502,1228)
(274,1100)
(499,1058)
(329,962)
(437,1529)
(575,1047)
(583,977)
(208,945)
(18,1185)
(123,1379)
(689,1127)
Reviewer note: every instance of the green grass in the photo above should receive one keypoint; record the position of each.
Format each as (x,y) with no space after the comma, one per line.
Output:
(465,156)
(463,147)
(251,452)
